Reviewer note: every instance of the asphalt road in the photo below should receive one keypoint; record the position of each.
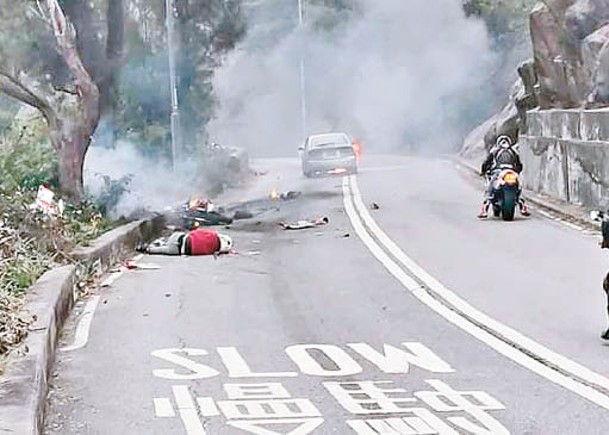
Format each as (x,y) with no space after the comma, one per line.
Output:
(416,318)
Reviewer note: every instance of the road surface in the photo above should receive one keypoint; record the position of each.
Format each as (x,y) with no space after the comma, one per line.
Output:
(414,318)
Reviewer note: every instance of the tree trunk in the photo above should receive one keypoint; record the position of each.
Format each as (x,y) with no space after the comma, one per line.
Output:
(71,135)
(71,138)
(71,162)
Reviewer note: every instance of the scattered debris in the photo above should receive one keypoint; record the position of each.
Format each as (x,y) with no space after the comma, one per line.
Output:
(375,206)
(147,266)
(287,196)
(111,279)
(274,195)
(13,322)
(242,214)
(305,224)
(46,204)
(253,253)
(197,212)
(346,235)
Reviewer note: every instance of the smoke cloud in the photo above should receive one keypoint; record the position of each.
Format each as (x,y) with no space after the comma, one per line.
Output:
(153,186)
(398,74)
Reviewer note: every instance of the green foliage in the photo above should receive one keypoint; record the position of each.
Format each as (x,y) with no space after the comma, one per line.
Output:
(27,158)
(506,20)
(478,8)
(31,241)
(113,191)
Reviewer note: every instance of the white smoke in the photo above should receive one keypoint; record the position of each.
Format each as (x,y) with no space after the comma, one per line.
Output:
(399,74)
(153,186)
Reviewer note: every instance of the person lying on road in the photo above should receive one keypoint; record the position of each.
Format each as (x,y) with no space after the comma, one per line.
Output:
(195,242)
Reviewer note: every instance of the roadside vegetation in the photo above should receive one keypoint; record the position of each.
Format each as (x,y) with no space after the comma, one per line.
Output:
(32,242)
(81,65)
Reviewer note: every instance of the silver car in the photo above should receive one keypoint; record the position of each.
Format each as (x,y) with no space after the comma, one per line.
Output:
(328,154)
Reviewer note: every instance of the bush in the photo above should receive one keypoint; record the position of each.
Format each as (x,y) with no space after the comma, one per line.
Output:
(32,242)
(27,158)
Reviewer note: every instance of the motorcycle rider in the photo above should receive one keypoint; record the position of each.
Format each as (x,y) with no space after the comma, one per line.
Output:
(501,156)
(604,219)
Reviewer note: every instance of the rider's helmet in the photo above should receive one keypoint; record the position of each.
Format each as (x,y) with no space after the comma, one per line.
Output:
(504,141)
(226,244)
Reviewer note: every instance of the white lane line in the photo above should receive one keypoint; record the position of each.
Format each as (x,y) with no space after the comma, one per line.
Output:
(163,408)
(572,226)
(511,334)
(352,200)
(84,325)
(188,410)
(544,213)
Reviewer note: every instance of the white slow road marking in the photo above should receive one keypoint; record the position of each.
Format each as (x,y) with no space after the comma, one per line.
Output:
(503,339)
(188,410)
(84,325)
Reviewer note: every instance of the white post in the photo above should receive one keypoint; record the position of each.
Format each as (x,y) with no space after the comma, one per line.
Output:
(175,111)
(303,83)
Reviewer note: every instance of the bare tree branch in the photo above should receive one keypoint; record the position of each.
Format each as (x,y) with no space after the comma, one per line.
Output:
(65,34)
(12,87)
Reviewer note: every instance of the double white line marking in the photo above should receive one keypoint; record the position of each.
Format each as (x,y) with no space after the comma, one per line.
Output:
(505,340)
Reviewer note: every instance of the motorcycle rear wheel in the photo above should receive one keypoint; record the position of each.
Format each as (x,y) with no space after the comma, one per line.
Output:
(508,206)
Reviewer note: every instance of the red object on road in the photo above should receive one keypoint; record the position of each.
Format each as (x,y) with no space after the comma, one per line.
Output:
(357,148)
(203,242)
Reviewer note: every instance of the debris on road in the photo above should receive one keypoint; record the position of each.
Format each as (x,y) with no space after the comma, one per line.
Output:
(305,224)
(147,266)
(242,214)
(286,196)
(274,195)
(111,279)
(253,253)
(375,206)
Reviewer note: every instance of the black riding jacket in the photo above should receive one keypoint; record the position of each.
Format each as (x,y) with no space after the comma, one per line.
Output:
(499,157)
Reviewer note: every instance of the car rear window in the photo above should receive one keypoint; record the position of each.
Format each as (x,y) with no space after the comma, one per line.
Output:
(329,139)
(331,153)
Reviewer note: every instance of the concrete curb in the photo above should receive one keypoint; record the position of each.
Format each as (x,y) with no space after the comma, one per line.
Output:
(23,387)
(570,212)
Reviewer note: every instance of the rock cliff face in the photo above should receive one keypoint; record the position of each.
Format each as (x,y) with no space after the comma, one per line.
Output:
(570,40)
(570,67)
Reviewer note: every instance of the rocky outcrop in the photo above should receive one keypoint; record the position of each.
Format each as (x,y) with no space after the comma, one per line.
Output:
(595,56)
(569,42)
(570,67)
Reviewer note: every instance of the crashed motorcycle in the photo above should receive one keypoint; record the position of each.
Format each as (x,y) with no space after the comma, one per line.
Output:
(198,213)
(505,193)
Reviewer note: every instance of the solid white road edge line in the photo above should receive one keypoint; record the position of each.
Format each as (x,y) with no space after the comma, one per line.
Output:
(352,199)
(471,312)
(84,325)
